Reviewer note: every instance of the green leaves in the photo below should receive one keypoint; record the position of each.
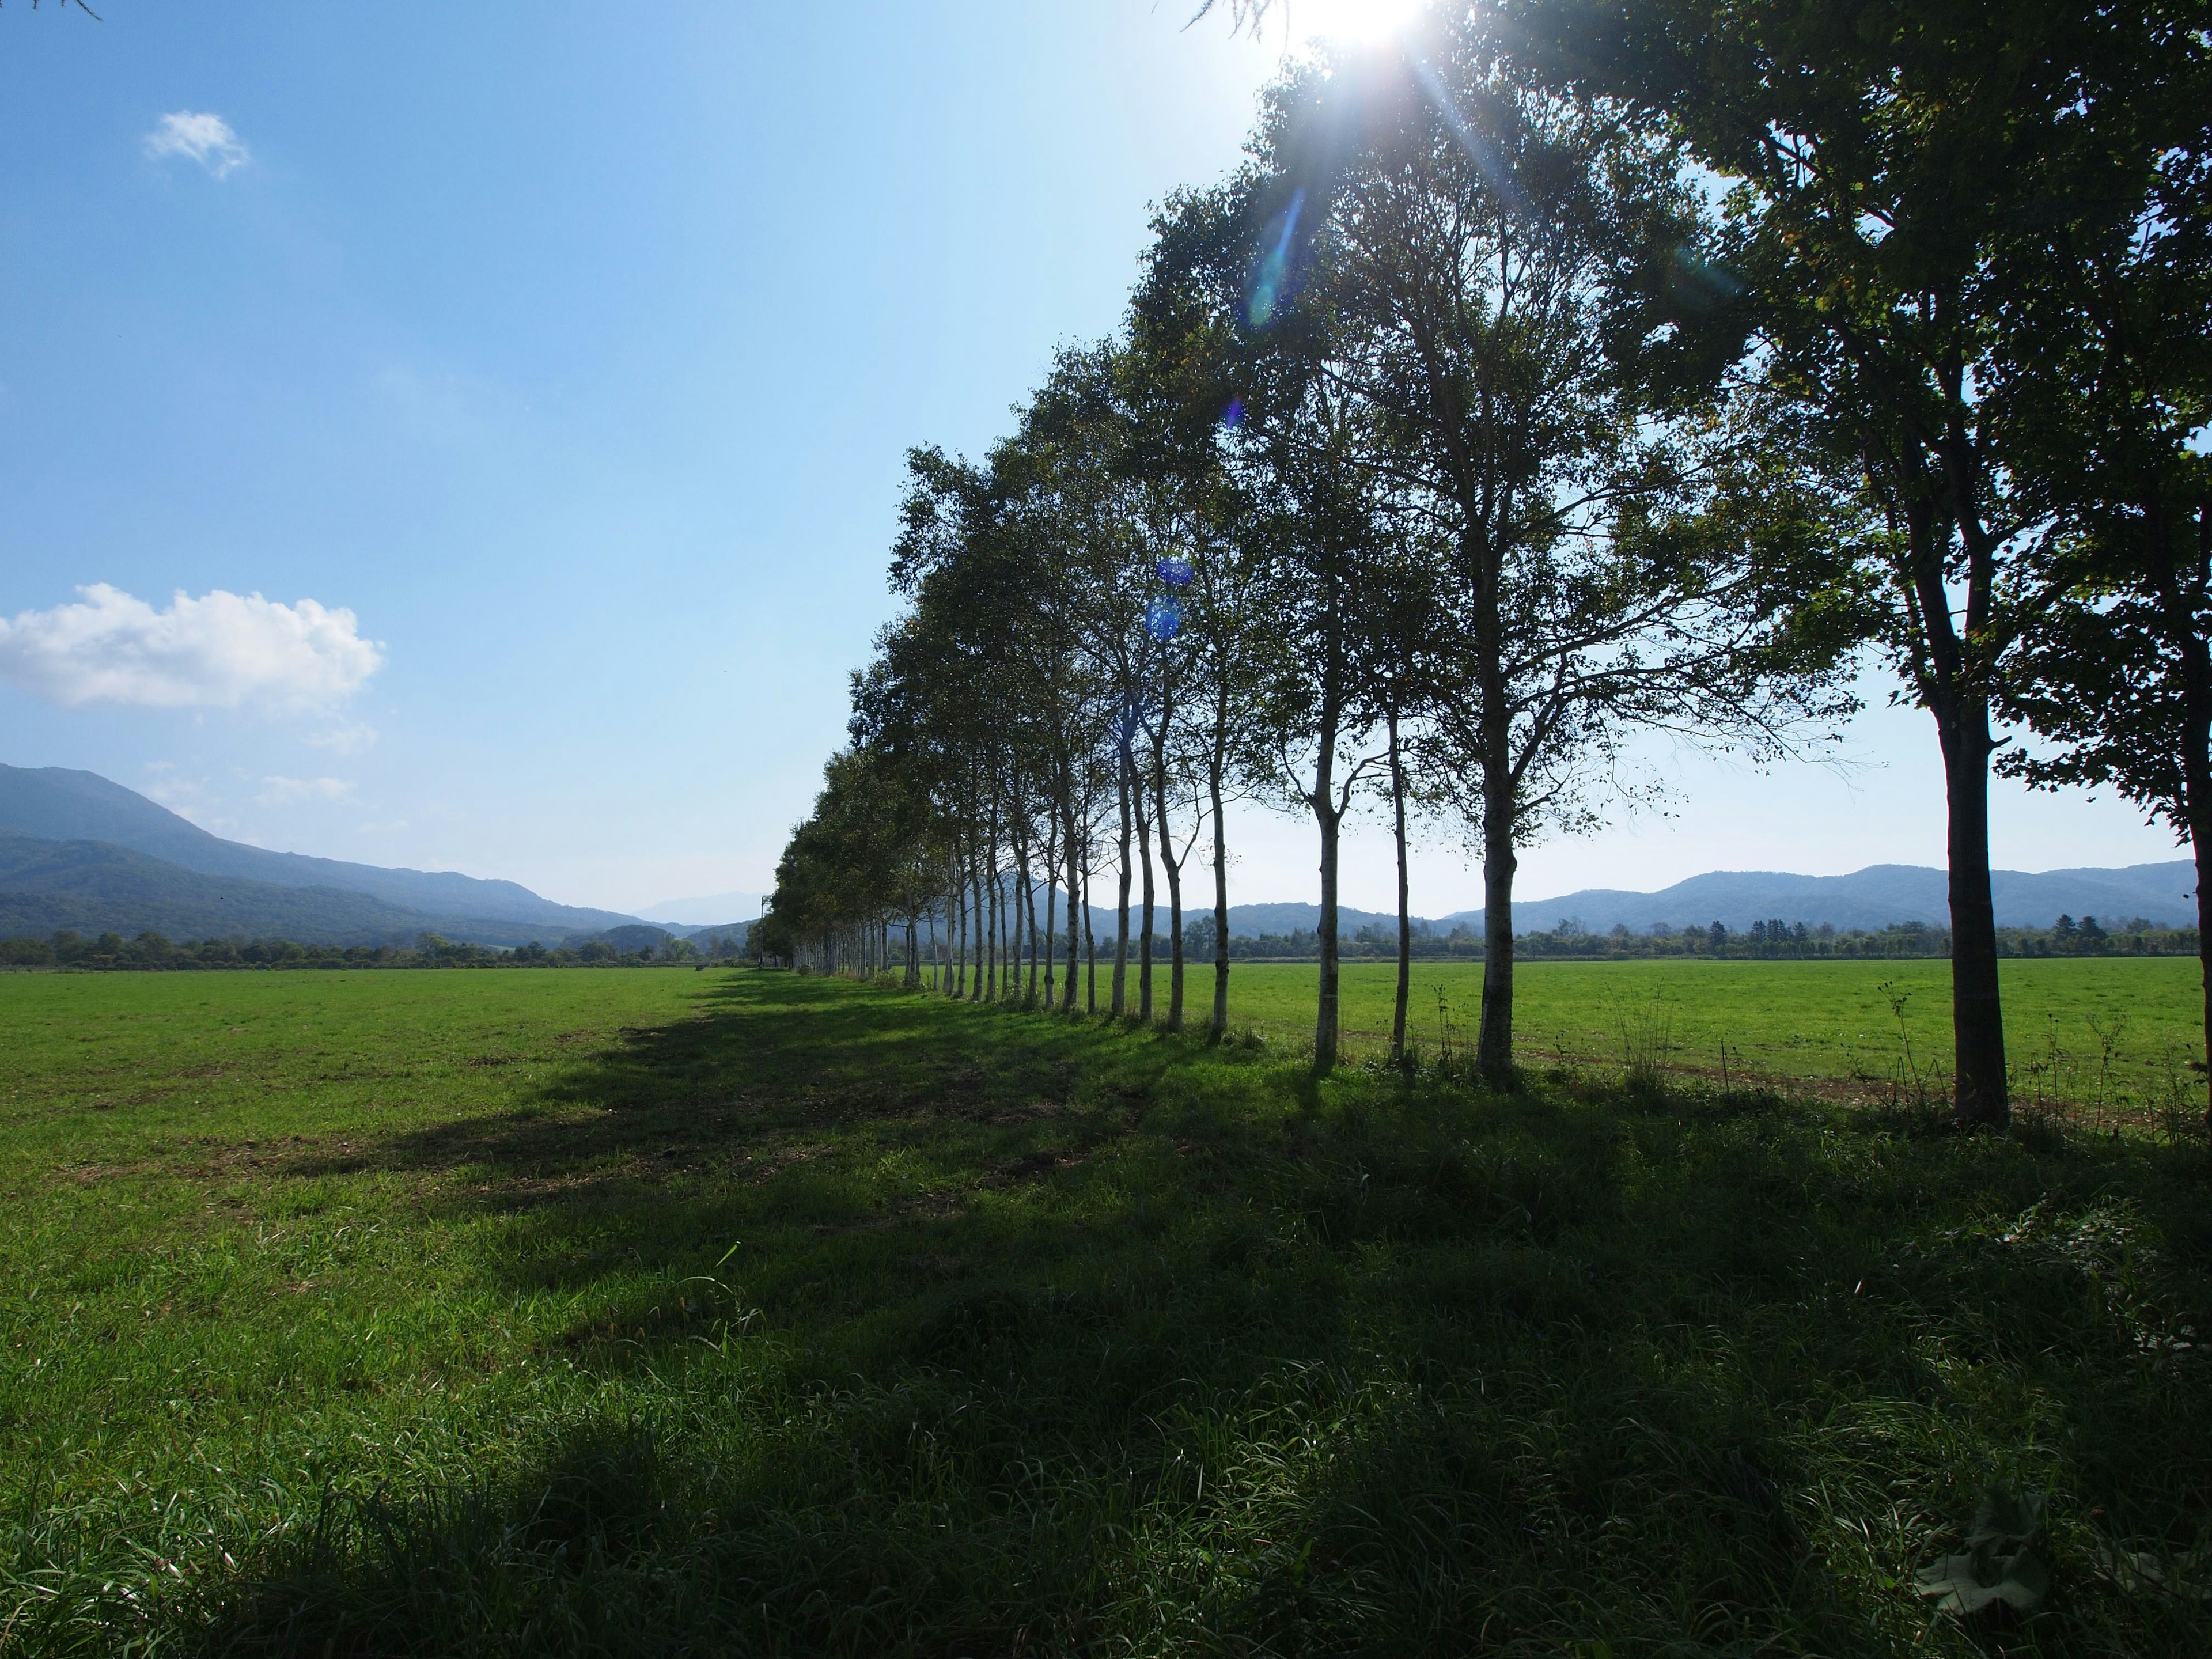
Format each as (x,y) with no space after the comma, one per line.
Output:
(1997,1569)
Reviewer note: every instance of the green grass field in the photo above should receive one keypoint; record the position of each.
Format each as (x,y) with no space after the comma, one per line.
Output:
(656,1312)
(1827,1024)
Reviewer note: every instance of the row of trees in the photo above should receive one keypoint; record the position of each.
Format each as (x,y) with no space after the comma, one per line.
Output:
(1574,372)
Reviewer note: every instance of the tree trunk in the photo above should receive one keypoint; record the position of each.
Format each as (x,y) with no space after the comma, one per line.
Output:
(1010,937)
(1173,871)
(1089,951)
(1026,920)
(1976,1008)
(1325,1009)
(1405,916)
(971,974)
(1037,946)
(1327,818)
(995,898)
(1493,1049)
(1144,935)
(1220,1023)
(1051,925)
(1120,1002)
(1074,889)
(1017,944)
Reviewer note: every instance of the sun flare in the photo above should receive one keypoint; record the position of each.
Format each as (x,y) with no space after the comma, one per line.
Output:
(1349,22)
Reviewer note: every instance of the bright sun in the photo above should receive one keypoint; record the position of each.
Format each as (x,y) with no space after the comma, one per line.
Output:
(1351,23)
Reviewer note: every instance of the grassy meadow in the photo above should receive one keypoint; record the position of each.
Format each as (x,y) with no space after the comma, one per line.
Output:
(2108,1034)
(355,1314)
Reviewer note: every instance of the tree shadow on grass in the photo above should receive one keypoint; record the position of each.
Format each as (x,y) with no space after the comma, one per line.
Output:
(1027,1337)
(762,1057)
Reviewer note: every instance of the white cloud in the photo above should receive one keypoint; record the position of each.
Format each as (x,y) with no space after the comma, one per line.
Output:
(348,737)
(291,792)
(197,137)
(220,651)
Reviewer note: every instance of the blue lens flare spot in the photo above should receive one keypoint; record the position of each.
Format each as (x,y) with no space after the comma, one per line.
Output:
(1272,273)
(1175,572)
(1163,618)
(1233,417)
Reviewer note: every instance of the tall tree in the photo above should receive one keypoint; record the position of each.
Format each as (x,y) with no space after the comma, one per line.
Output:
(1484,264)
(1882,156)
(2103,374)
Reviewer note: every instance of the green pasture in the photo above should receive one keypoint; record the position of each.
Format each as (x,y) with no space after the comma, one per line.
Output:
(2122,1029)
(651,1311)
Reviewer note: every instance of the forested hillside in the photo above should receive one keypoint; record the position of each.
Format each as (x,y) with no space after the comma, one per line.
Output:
(60,805)
(94,887)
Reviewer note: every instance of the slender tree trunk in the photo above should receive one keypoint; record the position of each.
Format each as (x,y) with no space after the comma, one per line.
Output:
(1405,915)
(1977,1009)
(1017,888)
(967,925)
(1009,965)
(1493,1051)
(994,898)
(1021,922)
(1326,819)
(1120,1001)
(1029,924)
(1220,1022)
(1074,888)
(1328,822)
(1089,951)
(1144,936)
(1937,503)
(1051,927)
(1173,871)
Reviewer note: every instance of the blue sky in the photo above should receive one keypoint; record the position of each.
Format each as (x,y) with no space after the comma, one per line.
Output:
(573,349)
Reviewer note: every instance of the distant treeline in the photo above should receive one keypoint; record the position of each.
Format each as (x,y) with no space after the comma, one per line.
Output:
(1777,939)
(152,952)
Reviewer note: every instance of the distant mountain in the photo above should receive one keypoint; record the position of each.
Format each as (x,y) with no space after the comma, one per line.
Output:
(1872,898)
(693,911)
(93,887)
(630,936)
(59,804)
(1251,920)
(711,930)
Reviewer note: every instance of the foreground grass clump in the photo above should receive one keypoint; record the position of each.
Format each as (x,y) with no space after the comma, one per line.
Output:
(658,1312)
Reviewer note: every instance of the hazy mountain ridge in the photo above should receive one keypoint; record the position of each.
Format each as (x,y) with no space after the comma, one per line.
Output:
(1873,899)
(93,887)
(682,912)
(56,804)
